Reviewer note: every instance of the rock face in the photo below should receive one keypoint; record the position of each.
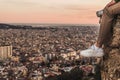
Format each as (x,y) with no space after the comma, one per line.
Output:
(111,63)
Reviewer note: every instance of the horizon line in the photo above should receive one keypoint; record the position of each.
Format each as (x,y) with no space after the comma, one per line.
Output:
(50,23)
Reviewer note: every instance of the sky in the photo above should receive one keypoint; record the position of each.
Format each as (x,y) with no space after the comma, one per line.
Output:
(50,11)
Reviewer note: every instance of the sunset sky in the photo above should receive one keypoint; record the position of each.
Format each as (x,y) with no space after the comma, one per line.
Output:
(50,11)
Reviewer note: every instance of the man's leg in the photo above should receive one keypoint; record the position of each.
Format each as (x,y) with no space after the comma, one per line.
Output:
(106,23)
(105,31)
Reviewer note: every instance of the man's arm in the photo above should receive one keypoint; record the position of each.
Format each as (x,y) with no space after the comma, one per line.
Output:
(111,3)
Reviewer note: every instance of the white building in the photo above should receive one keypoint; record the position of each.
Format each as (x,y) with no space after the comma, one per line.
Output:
(5,52)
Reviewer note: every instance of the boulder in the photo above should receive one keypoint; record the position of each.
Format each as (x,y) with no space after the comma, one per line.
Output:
(111,64)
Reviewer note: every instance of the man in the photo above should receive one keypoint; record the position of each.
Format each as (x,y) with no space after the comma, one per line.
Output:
(110,10)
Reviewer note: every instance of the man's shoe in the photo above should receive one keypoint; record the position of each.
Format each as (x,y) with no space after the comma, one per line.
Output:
(93,51)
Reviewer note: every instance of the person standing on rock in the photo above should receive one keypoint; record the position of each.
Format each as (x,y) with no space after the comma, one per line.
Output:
(105,32)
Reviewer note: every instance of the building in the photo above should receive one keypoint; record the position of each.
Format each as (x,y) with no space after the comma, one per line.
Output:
(5,52)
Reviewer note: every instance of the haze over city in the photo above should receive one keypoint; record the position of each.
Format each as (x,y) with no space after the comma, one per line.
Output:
(50,11)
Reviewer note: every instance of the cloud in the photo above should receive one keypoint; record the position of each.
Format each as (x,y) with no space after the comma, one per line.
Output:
(18,2)
(49,10)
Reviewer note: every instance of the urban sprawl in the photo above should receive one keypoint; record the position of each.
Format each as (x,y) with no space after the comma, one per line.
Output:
(47,53)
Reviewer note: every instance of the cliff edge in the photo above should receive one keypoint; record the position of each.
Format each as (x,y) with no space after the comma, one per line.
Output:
(111,63)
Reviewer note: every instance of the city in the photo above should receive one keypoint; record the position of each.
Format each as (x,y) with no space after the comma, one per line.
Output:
(48,53)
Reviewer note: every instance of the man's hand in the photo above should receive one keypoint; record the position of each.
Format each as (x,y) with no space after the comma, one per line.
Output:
(111,3)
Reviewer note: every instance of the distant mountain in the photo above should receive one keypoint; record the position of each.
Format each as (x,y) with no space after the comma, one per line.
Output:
(40,26)
(9,26)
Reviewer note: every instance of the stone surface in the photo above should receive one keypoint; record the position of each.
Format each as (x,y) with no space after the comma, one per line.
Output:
(111,64)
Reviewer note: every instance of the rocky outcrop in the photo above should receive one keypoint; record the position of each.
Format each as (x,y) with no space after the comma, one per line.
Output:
(111,63)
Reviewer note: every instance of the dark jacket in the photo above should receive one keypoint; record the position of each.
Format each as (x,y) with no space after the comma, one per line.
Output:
(117,0)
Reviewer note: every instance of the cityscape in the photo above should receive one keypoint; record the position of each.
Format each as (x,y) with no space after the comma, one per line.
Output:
(57,39)
(47,52)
